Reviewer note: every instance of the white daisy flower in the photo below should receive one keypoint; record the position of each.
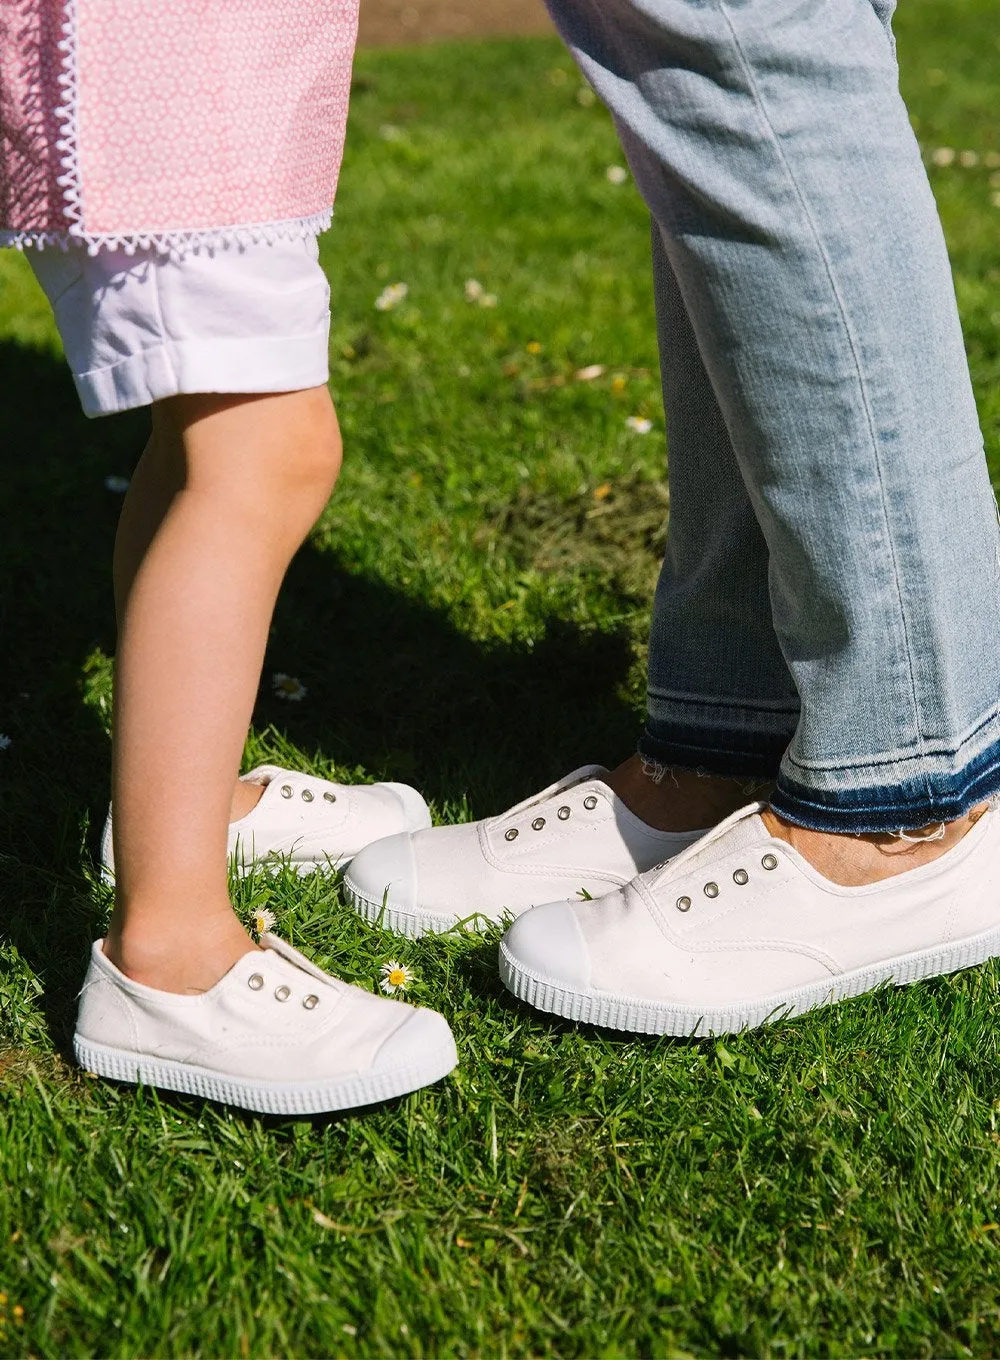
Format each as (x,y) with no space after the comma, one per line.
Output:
(391,296)
(4,741)
(288,687)
(263,920)
(969,159)
(639,424)
(396,977)
(992,160)
(473,290)
(616,174)
(119,485)
(589,373)
(943,155)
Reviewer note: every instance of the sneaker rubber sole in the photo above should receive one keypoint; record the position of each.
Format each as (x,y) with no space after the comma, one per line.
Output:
(266,1097)
(381,912)
(659,1017)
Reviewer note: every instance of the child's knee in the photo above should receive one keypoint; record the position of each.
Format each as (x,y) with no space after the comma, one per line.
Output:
(280,453)
(315,456)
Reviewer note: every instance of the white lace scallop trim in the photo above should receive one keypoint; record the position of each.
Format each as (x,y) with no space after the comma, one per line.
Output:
(176,241)
(66,116)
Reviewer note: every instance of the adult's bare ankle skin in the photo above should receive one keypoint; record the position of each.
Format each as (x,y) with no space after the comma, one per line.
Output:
(855,860)
(673,799)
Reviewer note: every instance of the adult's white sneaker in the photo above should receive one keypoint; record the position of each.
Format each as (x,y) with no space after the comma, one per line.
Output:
(308,822)
(741,930)
(574,839)
(276,1034)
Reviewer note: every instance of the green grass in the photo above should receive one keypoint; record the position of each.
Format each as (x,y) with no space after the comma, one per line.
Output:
(469,615)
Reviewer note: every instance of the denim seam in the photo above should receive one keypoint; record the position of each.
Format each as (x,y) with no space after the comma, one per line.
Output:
(900,809)
(781,711)
(862,387)
(923,754)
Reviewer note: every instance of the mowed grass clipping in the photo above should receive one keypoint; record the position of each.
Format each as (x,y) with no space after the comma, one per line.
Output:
(470,615)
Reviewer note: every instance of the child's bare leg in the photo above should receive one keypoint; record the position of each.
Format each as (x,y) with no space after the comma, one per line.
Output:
(159,475)
(250,474)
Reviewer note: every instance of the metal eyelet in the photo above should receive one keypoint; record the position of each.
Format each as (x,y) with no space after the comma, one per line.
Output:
(282,993)
(330,797)
(310,1002)
(711,889)
(770,861)
(510,835)
(255,981)
(307,796)
(741,876)
(538,823)
(590,802)
(683,904)
(286,790)
(563,813)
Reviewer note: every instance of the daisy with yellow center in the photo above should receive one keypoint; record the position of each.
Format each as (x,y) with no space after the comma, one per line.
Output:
(396,977)
(263,920)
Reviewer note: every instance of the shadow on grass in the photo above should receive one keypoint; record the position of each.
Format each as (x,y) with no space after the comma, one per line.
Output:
(394,687)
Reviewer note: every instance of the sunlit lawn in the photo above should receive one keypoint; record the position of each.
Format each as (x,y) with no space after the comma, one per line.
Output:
(470,616)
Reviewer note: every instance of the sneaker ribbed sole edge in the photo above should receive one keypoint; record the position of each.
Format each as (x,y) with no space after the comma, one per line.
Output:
(279,1097)
(637,1016)
(387,916)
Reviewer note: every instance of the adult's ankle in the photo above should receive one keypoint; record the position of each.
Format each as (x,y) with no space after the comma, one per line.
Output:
(671,798)
(854,860)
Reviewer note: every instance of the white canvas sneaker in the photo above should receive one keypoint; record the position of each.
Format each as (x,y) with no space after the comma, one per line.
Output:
(575,838)
(276,1035)
(741,930)
(308,822)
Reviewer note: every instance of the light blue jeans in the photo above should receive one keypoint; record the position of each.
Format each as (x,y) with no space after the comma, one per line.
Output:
(828,611)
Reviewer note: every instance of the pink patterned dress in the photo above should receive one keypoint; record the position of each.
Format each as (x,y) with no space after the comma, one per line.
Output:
(173,123)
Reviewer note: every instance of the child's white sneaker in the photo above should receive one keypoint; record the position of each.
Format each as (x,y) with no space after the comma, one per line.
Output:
(741,929)
(276,1034)
(308,822)
(574,838)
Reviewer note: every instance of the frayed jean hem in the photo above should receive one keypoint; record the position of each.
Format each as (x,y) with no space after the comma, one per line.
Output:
(916,802)
(726,752)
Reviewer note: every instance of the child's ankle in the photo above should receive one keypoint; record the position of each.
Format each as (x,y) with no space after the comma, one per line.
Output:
(187,958)
(245,799)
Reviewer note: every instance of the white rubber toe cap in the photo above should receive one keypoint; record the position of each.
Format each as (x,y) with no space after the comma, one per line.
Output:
(418,814)
(385,871)
(547,942)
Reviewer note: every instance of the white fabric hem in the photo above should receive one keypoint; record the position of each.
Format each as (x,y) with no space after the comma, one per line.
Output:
(277,364)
